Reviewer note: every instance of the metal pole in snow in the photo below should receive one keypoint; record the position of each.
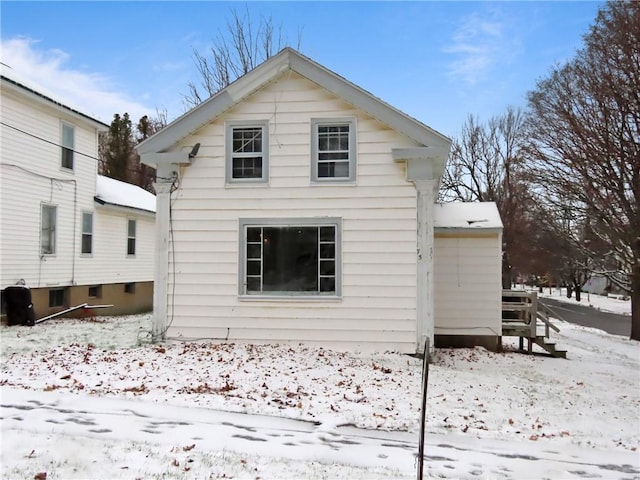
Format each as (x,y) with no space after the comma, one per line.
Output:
(423,409)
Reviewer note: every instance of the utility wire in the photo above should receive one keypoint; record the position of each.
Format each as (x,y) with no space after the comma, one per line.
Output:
(50,142)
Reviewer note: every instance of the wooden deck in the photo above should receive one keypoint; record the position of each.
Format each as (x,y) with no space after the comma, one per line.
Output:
(524,317)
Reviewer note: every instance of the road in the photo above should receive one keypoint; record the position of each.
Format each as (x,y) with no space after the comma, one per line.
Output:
(590,317)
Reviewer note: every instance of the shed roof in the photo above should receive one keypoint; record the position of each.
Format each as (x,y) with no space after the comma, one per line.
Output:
(467,215)
(286,60)
(114,192)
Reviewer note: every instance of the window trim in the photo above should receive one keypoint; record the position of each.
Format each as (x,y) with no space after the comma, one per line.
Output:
(243,223)
(134,237)
(54,233)
(83,233)
(317,122)
(64,147)
(230,125)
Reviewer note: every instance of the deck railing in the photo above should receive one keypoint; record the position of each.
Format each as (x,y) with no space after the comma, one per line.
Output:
(520,312)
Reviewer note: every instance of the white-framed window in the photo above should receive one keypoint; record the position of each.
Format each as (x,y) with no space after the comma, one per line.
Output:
(87,233)
(290,257)
(131,237)
(68,145)
(247,152)
(48,221)
(333,150)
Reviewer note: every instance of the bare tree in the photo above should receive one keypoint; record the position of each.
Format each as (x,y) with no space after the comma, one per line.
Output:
(485,165)
(584,128)
(243,46)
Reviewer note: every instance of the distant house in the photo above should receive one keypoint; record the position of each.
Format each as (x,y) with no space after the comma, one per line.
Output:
(72,235)
(293,206)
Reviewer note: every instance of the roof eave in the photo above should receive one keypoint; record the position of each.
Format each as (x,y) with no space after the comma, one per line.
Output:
(289,59)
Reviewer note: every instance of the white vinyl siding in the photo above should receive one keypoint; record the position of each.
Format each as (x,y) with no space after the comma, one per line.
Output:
(333,150)
(377,305)
(468,288)
(247,152)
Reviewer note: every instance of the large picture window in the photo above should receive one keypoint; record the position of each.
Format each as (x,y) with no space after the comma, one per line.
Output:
(247,146)
(131,237)
(333,150)
(290,257)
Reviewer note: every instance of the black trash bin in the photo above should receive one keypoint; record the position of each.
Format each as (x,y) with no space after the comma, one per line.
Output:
(19,306)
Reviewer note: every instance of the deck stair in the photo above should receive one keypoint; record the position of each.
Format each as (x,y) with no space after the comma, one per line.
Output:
(524,317)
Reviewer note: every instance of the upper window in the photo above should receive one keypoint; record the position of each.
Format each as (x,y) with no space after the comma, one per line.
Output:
(87,233)
(247,152)
(68,146)
(48,229)
(131,237)
(293,257)
(333,150)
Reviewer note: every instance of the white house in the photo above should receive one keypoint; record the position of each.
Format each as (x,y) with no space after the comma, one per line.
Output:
(293,206)
(72,235)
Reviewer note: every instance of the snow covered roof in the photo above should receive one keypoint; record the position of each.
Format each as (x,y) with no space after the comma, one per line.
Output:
(114,192)
(474,216)
(28,86)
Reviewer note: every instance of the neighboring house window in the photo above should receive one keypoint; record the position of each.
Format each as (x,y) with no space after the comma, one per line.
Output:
(48,230)
(87,233)
(247,152)
(333,150)
(290,257)
(68,145)
(56,297)
(131,237)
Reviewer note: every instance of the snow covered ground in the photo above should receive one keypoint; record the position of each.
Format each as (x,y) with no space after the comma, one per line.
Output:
(612,304)
(93,399)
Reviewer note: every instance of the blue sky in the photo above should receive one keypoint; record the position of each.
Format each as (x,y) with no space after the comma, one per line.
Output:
(436,61)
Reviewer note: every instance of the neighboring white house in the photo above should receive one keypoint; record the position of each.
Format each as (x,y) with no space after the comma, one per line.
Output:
(72,235)
(293,206)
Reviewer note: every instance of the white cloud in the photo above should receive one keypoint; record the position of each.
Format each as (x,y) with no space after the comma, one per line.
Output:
(477,45)
(92,93)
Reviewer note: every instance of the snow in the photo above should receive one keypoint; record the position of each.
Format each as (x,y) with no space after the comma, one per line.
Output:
(94,399)
(115,192)
(476,215)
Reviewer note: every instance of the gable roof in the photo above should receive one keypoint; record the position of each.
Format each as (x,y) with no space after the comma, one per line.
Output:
(289,59)
(467,215)
(110,191)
